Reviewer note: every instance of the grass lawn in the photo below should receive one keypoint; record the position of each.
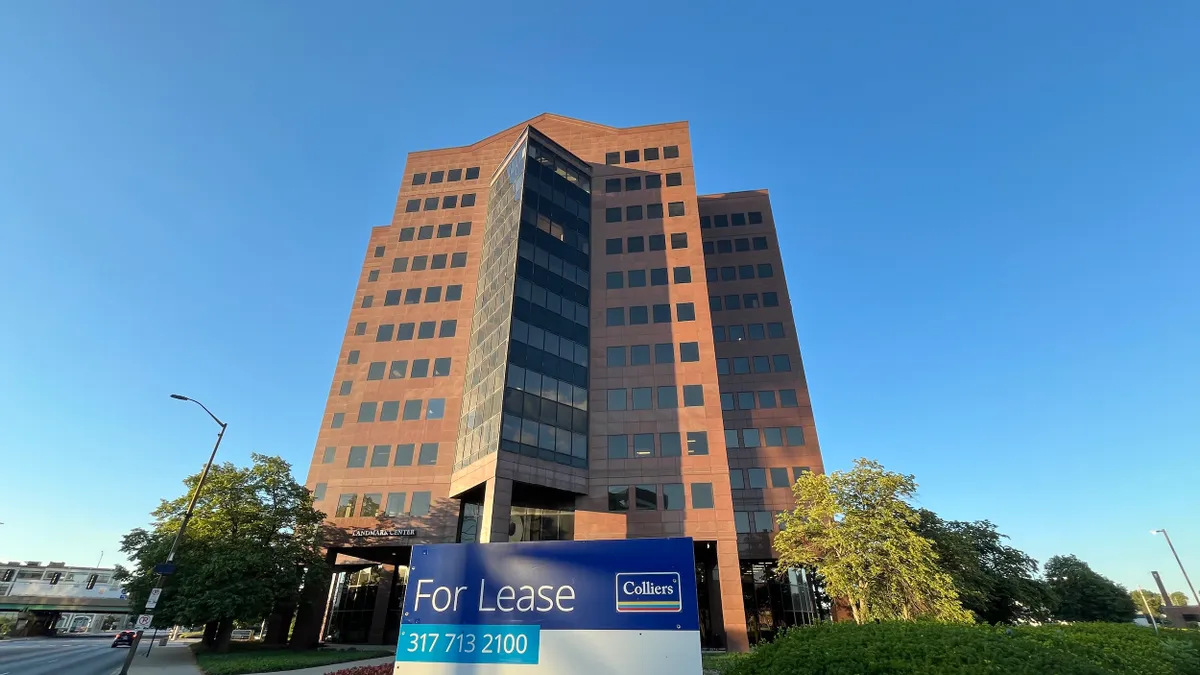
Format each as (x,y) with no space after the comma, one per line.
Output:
(253,658)
(720,663)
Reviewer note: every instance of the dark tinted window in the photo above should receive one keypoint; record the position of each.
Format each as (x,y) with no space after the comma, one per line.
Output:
(445,230)
(618,498)
(412,205)
(658,242)
(685,311)
(462,229)
(653,181)
(614,316)
(689,351)
(613,246)
(633,212)
(418,179)
(638,315)
(450,201)
(737,219)
(612,185)
(671,151)
(639,355)
(662,313)
(755,217)
(683,275)
(636,244)
(408,233)
(632,156)
(431,203)
(637,278)
(658,276)
(721,221)
(674,179)
(679,240)
(614,280)
(675,209)
(424,232)
(702,494)
(612,158)
(373,275)
(633,183)
(448,327)
(436,176)
(612,214)
(472,172)
(770,299)
(654,211)
(453,175)
(651,154)
(705,222)
(468,199)
(664,352)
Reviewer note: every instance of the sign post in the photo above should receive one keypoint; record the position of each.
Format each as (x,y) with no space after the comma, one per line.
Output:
(552,607)
(152,601)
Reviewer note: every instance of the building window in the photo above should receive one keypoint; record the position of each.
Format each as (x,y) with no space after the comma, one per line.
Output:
(702,496)
(779,478)
(761,364)
(412,296)
(404,332)
(615,357)
(458,259)
(672,496)
(662,313)
(782,363)
(669,444)
(395,504)
(344,389)
(345,507)
(612,214)
(468,200)
(633,212)
(637,278)
(613,246)
(366,411)
(794,435)
(425,330)
(319,492)
(654,211)
(697,442)
(658,276)
(612,158)
(756,479)
(454,293)
(645,497)
(431,203)
(741,522)
(618,498)
(679,240)
(428,455)
(380,455)
(755,217)
(773,438)
(420,504)
(436,177)
(693,395)
(391,297)
(651,154)
(329,455)
(418,179)
(658,242)
(685,311)
(472,172)
(633,183)
(412,205)
(462,229)
(412,409)
(618,446)
(338,419)
(360,328)
(420,368)
(654,182)
(407,234)
(751,439)
(388,411)
(441,367)
(643,445)
(614,280)
(705,222)
(358,457)
(638,315)
(424,232)
(770,299)
(617,399)
(398,370)
(642,398)
(448,327)
(674,179)
(614,316)
(453,175)
(636,244)
(612,185)
(689,352)
(632,156)
(433,294)
(404,454)
(436,409)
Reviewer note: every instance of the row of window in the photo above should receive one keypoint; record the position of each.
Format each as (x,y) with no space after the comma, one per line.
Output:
(371,503)
(638,314)
(769,437)
(753,331)
(447,202)
(450,175)
(437,261)
(424,232)
(762,400)
(381,455)
(544,386)
(744,301)
(557,304)
(653,181)
(413,296)
(658,242)
(544,440)
(670,444)
(756,479)
(643,398)
(735,219)
(400,370)
(645,497)
(639,355)
(405,331)
(734,273)
(634,156)
(751,522)
(637,278)
(555,265)
(743,365)
(371,411)
(613,214)
(739,245)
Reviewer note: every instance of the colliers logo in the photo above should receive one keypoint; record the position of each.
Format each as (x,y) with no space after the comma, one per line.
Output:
(649,592)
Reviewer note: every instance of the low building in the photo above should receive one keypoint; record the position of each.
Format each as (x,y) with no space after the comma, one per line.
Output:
(55,598)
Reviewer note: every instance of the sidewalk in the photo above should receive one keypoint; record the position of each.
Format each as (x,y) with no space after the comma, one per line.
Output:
(174,659)
(332,668)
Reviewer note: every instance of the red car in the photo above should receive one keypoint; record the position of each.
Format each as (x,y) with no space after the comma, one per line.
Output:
(125,637)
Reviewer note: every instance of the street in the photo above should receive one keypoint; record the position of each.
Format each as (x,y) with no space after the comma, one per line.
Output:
(60,656)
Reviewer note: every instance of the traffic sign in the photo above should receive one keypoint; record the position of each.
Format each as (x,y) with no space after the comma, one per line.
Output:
(144,621)
(153,600)
(583,607)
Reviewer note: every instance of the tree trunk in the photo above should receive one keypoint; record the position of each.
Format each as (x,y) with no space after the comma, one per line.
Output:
(210,634)
(279,622)
(224,635)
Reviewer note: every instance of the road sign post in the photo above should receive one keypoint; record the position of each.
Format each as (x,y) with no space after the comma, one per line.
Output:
(552,607)
(152,601)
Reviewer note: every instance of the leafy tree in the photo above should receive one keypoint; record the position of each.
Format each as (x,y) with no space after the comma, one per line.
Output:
(1154,600)
(857,529)
(995,581)
(1079,593)
(1179,598)
(253,533)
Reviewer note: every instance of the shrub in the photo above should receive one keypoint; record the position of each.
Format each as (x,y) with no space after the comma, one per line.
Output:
(381,669)
(256,658)
(947,649)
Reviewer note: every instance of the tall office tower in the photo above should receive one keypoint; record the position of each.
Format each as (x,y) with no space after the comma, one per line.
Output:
(556,338)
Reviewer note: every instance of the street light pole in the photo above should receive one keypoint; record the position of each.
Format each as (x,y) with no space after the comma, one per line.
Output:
(1195,599)
(187,517)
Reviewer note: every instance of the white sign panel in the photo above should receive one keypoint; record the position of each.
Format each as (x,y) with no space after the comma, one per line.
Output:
(144,621)
(153,601)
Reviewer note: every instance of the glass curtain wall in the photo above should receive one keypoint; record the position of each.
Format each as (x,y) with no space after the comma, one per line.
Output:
(537,256)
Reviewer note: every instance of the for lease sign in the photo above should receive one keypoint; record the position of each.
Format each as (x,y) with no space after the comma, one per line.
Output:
(563,607)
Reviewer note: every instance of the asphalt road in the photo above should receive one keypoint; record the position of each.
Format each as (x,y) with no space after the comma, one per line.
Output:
(61,656)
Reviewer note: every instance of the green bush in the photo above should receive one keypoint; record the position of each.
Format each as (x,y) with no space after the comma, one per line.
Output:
(256,658)
(945,649)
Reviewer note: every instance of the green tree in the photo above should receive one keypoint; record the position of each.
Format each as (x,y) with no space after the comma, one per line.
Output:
(1079,593)
(1179,598)
(856,528)
(994,580)
(253,533)
(1154,600)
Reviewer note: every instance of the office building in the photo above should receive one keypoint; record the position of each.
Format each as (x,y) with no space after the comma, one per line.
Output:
(557,338)
(56,598)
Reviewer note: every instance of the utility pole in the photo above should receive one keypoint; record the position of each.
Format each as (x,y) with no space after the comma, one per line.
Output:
(1195,598)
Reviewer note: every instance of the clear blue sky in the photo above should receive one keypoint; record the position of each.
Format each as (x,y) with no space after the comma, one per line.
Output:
(990,217)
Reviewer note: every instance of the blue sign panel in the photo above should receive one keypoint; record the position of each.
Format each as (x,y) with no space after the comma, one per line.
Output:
(628,604)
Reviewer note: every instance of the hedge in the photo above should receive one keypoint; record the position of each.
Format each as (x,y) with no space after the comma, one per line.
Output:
(941,649)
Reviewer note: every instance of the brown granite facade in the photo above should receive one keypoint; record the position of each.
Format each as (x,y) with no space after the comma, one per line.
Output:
(696,410)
